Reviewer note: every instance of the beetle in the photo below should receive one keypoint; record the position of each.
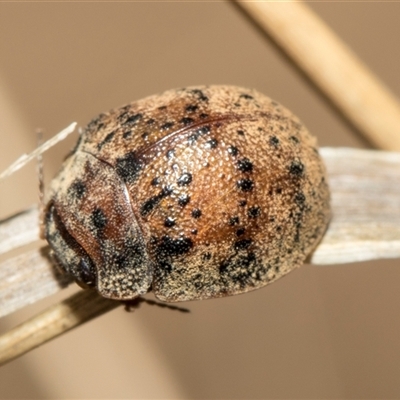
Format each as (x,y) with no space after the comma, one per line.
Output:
(196,193)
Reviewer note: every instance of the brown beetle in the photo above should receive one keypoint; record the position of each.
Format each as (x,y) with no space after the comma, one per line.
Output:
(196,193)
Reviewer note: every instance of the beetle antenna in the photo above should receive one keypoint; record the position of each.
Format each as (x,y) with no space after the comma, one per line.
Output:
(135,303)
(40,175)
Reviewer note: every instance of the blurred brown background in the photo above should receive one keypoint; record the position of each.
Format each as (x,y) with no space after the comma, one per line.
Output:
(322,332)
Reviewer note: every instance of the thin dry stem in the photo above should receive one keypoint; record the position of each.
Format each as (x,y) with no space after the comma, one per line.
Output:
(365,226)
(332,67)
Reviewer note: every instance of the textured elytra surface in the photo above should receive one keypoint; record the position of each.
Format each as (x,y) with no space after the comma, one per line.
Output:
(195,193)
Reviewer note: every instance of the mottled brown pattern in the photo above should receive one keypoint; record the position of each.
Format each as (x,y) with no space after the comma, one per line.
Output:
(195,193)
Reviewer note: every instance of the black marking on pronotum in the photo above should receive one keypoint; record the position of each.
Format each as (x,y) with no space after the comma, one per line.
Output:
(107,139)
(296,168)
(77,189)
(246,96)
(185,179)
(183,200)
(169,247)
(246,185)
(151,203)
(240,132)
(86,270)
(99,219)
(196,213)
(253,212)
(245,165)
(128,167)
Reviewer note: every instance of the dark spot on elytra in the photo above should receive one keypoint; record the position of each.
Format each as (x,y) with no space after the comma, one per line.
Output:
(233,221)
(145,135)
(245,165)
(242,203)
(240,232)
(166,126)
(187,121)
(242,244)
(128,167)
(133,119)
(241,269)
(300,199)
(77,189)
(107,139)
(155,181)
(200,95)
(232,150)
(206,256)
(237,104)
(278,190)
(240,132)
(196,213)
(193,231)
(184,179)
(296,168)
(183,200)
(151,203)
(127,134)
(253,212)
(294,139)
(162,108)
(274,141)
(203,130)
(246,185)
(191,108)
(211,144)
(150,121)
(246,96)
(169,222)
(203,116)
(99,219)
(170,153)
(279,228)
(169,247)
